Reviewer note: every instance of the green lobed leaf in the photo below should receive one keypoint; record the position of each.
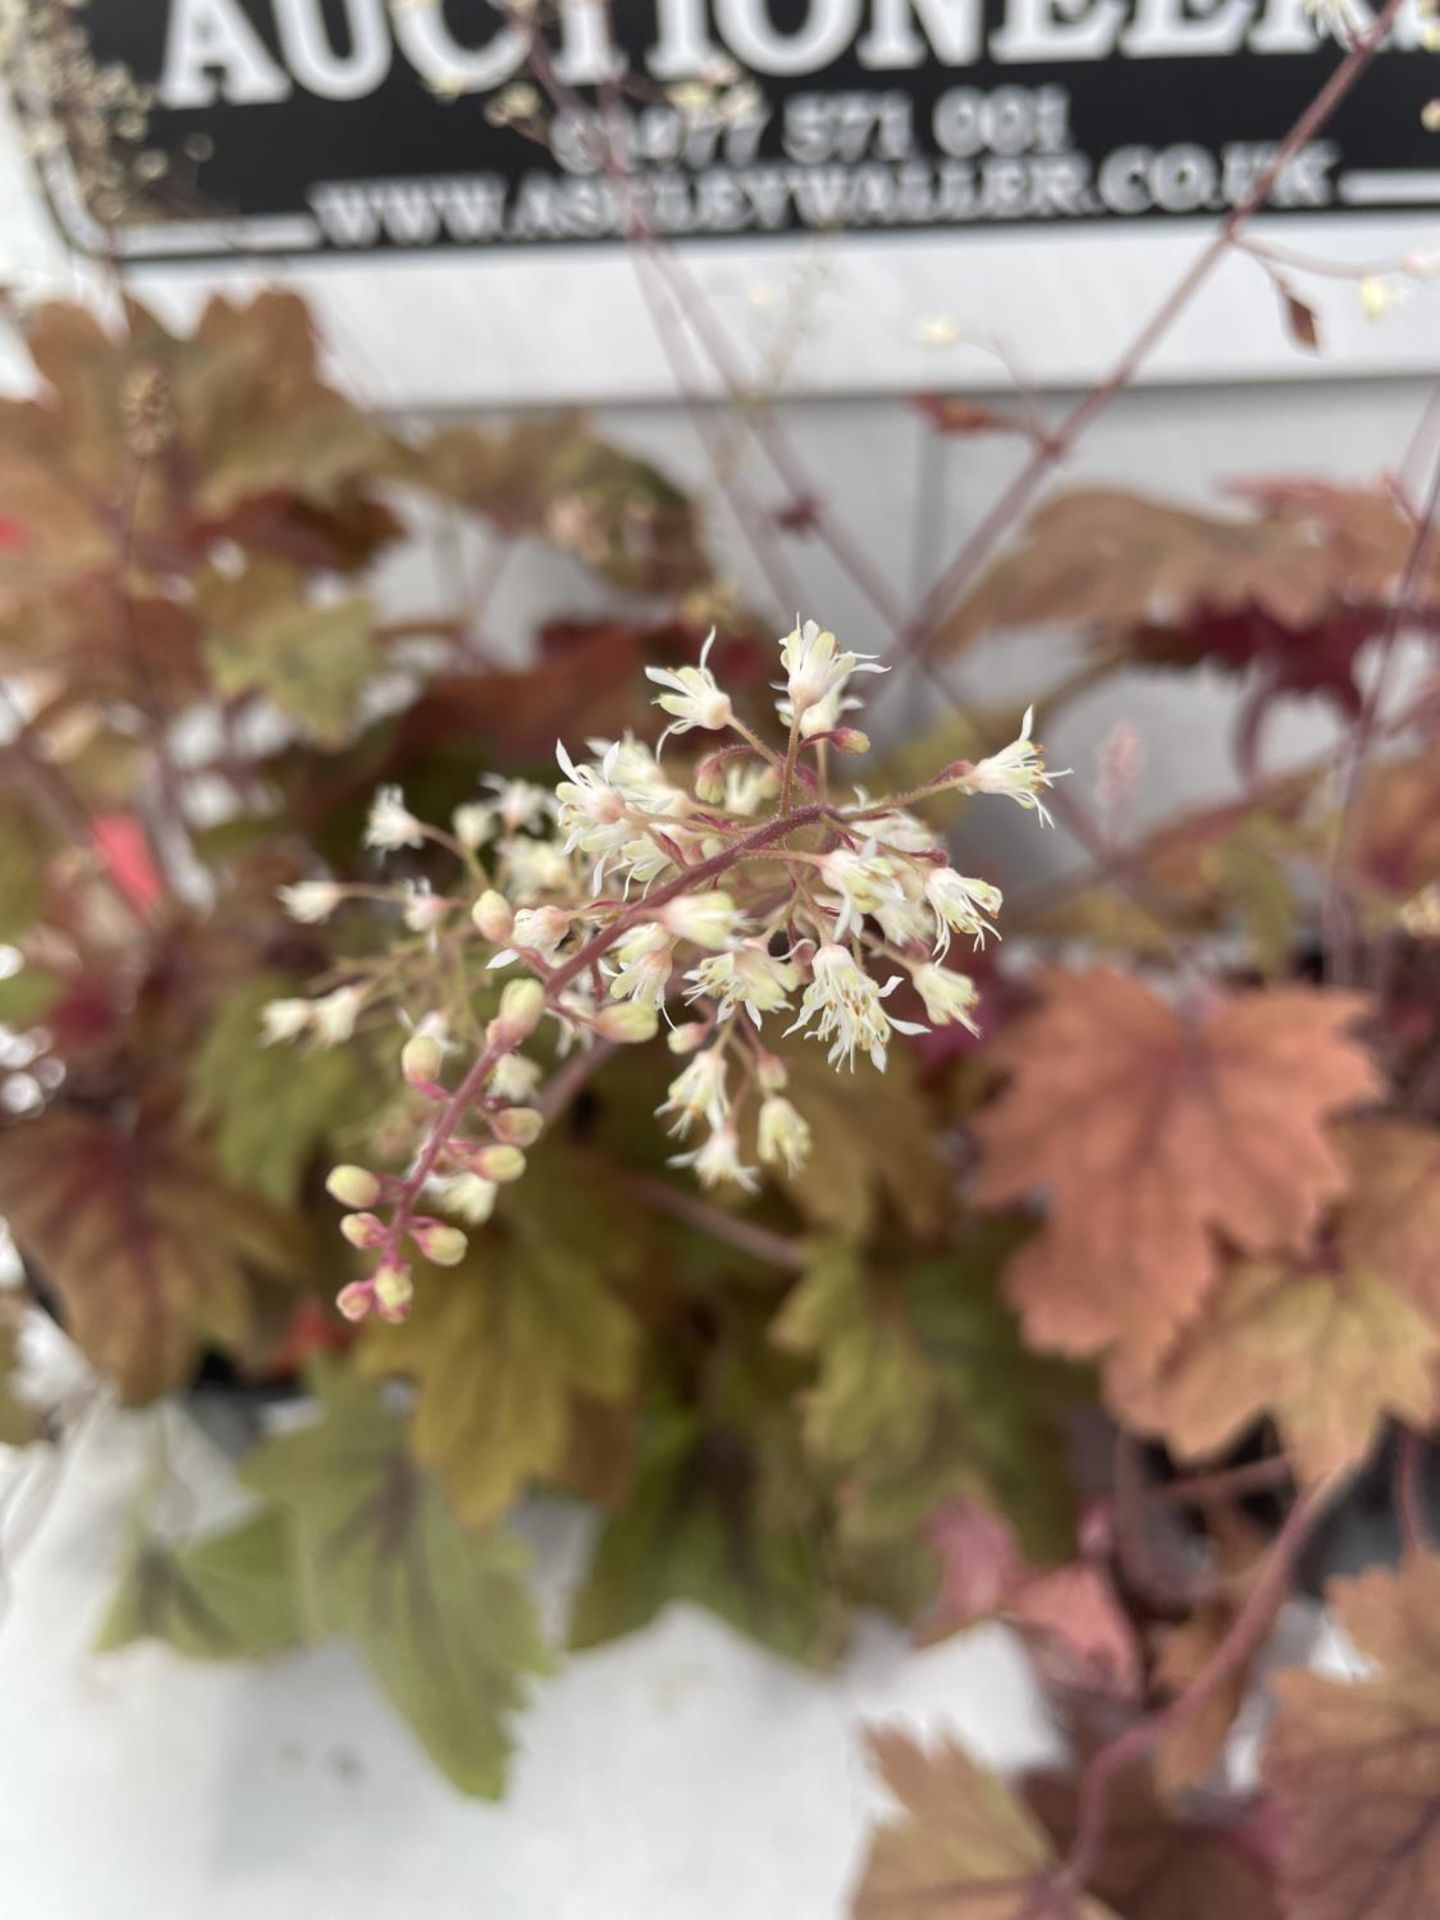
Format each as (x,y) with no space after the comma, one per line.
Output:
(313,661)
(695,1527)
(228,1596)
(270,1109)
(924,1390)
(501,1345)
(443,1616)
(874,1146)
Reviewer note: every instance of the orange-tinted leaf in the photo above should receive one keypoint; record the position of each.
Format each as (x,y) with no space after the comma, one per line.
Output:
(1394,847)
(1328,1353)
(1152,1129)
(1113,558)
(1154,1866)
(552,477)
(1394,1217)
(1329,1345)
(964,1850)
(1070,1615)
(150,1254)
(1355,1766)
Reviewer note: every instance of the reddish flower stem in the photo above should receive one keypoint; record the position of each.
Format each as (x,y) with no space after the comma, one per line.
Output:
(771,1249)
(916,637)
(1337,914)
(1411,1509)
(472,1086)
(1251,1624)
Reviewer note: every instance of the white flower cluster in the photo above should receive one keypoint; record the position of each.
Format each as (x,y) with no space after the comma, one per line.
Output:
(743,894)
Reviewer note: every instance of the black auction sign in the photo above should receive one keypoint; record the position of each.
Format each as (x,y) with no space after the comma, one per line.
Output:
(314,127)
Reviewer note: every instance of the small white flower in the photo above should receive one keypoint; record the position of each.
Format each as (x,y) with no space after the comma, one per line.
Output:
(748,785)
(845,1003)
(698,1092)
(865,882)
(784,1136)
(594,812)
(949,997)
(1017,771)
(636,771)
(311,902)
(935,330)
(747,977)
(521,802)
(718,1162)
(391,824)
(645,959)
(1378,297)
(961,905)
(425,910)
(333,1017)
(534,868)
(899,831)
(283,1020)
(907,922)
(473,824)
(704,919)
(642,861)
(514,1078)
(534,930)
(695,699)
(816,670)
(824,717)
(467,1197)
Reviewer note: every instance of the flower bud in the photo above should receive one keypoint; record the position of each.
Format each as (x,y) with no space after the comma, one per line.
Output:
(421,1059)
(687,1038)
(628,1022)
(393,1290)
(521,1007)
(311,902)
(441,1245)
(770,1072)
(710,779)
(850,740)
(499,1163)
(356,1300)
(363,1229)
(493,917)
(472,823)
(424,911)
(704,919)
(515,1077)
(468,1197)
(784,1136)
(518,1126)
(353,1186)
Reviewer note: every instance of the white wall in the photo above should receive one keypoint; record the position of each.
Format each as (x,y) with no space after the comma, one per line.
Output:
(909,497)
